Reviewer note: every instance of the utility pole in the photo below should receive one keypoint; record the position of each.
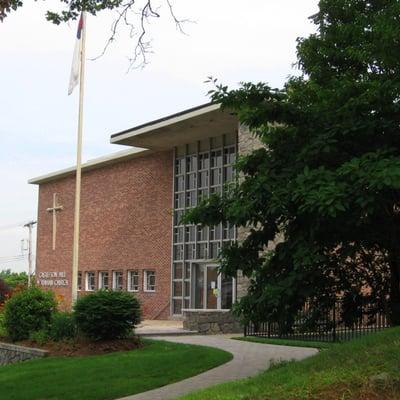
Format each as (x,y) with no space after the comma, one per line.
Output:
(29,225)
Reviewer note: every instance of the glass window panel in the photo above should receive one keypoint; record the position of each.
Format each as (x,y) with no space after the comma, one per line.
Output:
(178,271)
(216,176)
(190,251)
(203,194)
(177,306)
(90,281)
(177,288)
(149,281)
(103,280)
(179,166)
(201,250)
(203,179)
(202,233)
(204,161)
(179,200)
(187,270)
(79,280)
(191,198)
(191,163)
(215,248)
(180,183)
(190,233)
(178,234)
(178,252)
(117,280)
(215,232)
(191,181)
(229,155)
(186,303)
(178,214)
(216,158)
(186,291)
(228,174)
(133,281)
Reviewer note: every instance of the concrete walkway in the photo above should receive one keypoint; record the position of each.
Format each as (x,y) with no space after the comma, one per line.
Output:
(249,359)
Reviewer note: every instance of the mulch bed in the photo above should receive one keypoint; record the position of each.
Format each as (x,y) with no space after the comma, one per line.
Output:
(82,347)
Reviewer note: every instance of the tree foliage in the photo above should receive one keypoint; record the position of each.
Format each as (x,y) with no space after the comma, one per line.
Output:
(325,187)
(13,279)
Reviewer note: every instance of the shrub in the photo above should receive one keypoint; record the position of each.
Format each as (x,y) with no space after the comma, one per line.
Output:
(3,332)
(62,326)
(28,311)
(5,291)
(107,314)
(40,337)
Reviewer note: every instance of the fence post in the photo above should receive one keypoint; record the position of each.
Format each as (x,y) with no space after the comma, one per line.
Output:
(334,322)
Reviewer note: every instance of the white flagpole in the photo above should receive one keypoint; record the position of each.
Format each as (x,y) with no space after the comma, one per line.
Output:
(75,252)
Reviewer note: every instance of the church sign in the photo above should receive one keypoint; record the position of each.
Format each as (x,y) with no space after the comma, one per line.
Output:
(52,279)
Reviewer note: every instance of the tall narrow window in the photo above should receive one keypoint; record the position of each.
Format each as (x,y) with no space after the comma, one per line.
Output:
(90,281)
(79,280)
(149,281)
(118,280)
(103,280)
(133,281)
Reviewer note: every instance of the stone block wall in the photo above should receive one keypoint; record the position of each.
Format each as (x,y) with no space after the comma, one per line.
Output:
(10,353)
(247,143)
(211,322)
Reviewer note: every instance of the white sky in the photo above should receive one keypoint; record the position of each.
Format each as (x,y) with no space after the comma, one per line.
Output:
(231,40)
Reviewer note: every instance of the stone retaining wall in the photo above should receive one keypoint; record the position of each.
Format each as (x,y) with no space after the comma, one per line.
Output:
(10,353)
(211,322)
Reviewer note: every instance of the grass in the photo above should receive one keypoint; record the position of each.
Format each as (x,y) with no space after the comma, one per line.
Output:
(343,371)
(107,376)
(286,342)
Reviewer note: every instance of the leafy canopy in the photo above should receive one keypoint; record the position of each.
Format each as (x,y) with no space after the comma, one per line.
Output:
(325,185)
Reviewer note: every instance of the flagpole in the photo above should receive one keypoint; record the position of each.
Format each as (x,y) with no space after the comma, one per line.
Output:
(75,251)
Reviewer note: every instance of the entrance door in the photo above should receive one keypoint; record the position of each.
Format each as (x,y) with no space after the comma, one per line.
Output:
(210,289)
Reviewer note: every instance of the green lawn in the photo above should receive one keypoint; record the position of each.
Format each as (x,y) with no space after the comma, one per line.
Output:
(107,376)
(342,371)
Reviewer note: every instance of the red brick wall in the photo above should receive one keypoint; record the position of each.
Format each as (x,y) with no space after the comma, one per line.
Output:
(125,225)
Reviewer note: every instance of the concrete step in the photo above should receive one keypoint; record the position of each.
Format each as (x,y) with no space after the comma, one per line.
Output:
(154,332)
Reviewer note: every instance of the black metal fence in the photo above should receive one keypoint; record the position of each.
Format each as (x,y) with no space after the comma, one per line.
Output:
(324,326)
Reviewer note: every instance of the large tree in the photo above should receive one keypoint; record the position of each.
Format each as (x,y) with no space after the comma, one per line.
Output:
(326,185)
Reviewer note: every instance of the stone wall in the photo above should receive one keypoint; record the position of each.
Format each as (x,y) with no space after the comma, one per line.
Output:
(10,353)
(247,143)
(211,322)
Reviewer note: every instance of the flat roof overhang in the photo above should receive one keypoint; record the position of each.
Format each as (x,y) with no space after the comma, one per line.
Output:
(99,162)
(185,127)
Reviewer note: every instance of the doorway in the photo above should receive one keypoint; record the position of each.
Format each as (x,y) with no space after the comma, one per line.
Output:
(210,289)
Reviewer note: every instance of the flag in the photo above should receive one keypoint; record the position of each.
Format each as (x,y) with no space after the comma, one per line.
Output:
(76,60)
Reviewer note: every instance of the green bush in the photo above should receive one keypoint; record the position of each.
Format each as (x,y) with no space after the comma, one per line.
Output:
(28,311)
(3,332)
(40,337)
(62,326)
(107,314)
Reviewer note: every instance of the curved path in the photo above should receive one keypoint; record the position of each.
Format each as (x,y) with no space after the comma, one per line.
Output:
(249,359)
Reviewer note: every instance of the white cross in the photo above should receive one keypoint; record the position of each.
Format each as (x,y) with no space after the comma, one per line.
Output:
(54,210)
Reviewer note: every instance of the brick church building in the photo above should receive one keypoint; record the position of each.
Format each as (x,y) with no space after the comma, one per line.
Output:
(131,203)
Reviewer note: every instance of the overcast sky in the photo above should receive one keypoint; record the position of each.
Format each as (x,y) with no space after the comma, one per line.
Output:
(230,40)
